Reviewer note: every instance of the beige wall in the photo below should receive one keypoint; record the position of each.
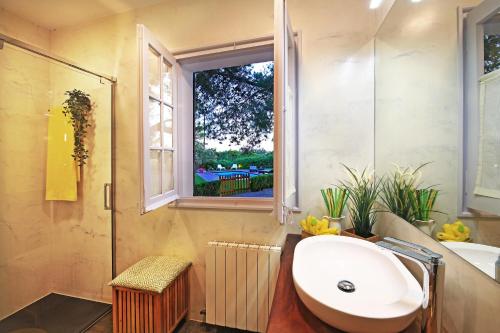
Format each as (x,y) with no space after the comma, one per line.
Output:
(417,120)
(417,111)
(17,27)
(336,45)
(48,246)
(471,299)
(81,256)
(335,94)
(25,221)
(382,11)
(417,99)
(417,88)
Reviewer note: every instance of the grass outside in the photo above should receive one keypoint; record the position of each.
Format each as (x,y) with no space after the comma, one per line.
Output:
(258,183)
(198,180)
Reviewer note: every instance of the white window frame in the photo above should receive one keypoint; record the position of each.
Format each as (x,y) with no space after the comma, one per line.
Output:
(184,64)
(191,61)
(473,59)
(150,202)
(286,185)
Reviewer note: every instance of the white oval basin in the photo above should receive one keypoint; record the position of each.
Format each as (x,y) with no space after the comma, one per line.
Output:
(481,256)
(386,297)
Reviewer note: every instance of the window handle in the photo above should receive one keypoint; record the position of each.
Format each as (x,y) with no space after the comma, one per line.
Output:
(107,196)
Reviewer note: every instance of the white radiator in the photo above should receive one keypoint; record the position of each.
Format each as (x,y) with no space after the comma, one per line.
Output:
(240,284)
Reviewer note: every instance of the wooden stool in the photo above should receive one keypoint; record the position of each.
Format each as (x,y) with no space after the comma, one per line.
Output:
(152,296)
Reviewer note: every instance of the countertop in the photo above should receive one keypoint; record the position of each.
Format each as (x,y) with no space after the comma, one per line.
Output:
(288,313)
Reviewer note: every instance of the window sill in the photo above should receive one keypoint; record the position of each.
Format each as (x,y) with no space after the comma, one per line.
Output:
(253,204)
(477,215)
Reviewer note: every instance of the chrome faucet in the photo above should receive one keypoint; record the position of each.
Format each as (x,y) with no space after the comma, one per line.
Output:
(432,266)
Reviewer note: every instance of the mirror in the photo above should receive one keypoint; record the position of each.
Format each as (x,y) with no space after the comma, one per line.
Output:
(437,122)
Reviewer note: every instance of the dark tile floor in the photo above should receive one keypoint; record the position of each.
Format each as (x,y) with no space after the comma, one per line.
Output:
(55,313)
(105,325)
(63,314)
(197,327)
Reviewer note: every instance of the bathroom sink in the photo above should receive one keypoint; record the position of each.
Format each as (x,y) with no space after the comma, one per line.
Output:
(481,256)
(354,285)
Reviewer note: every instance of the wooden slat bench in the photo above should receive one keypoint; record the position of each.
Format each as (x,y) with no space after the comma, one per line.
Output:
(152,296)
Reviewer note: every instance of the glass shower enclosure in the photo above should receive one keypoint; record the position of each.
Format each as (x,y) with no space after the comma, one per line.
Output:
(55,217)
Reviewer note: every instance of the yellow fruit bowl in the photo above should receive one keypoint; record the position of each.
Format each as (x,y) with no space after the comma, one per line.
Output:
(455,232)
(312,226)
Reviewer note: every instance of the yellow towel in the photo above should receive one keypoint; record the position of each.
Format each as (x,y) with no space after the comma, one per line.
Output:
(61,182)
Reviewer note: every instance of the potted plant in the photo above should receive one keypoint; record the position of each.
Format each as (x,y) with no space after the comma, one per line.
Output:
(396,192)
(422,202)
(78,107)
(363,191)
(335,201)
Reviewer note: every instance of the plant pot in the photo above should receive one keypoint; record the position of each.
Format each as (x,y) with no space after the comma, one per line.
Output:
(305,234)
(351,233)
(425,226)
(335,222)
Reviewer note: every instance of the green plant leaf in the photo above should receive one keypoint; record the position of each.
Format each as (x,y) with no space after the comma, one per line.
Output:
(363,192)
(78,107)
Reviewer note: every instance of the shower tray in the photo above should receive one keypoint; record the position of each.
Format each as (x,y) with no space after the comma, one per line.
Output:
(55,313)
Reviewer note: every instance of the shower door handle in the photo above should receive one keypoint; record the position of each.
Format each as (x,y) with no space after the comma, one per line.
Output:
(107,196)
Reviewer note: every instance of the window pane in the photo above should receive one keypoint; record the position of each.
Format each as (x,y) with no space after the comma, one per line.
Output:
(154,73)
(168,174)
(154,124)
(488,171)
(167,82)
(155,162)
(167,126)
(233,131)
(290,129)
(492,44)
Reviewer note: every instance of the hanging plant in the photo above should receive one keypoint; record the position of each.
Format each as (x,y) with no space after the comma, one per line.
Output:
(78,107)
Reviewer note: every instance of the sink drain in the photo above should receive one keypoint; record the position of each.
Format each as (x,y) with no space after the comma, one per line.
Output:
(346,286)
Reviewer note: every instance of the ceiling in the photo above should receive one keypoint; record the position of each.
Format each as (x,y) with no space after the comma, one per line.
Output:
(53,14)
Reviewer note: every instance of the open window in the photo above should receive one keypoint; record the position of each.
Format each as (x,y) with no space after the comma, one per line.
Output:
(286,115)
(192,158)
(233,131)
(158,70)
(482,111)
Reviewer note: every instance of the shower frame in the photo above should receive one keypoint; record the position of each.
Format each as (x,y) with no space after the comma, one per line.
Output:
(47,54)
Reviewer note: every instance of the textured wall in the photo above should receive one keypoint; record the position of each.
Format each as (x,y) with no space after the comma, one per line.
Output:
(417,100)
(336,47)
(81,255)
(417,120)
(25,220)
(417,95)
(471,299)
(48,246)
